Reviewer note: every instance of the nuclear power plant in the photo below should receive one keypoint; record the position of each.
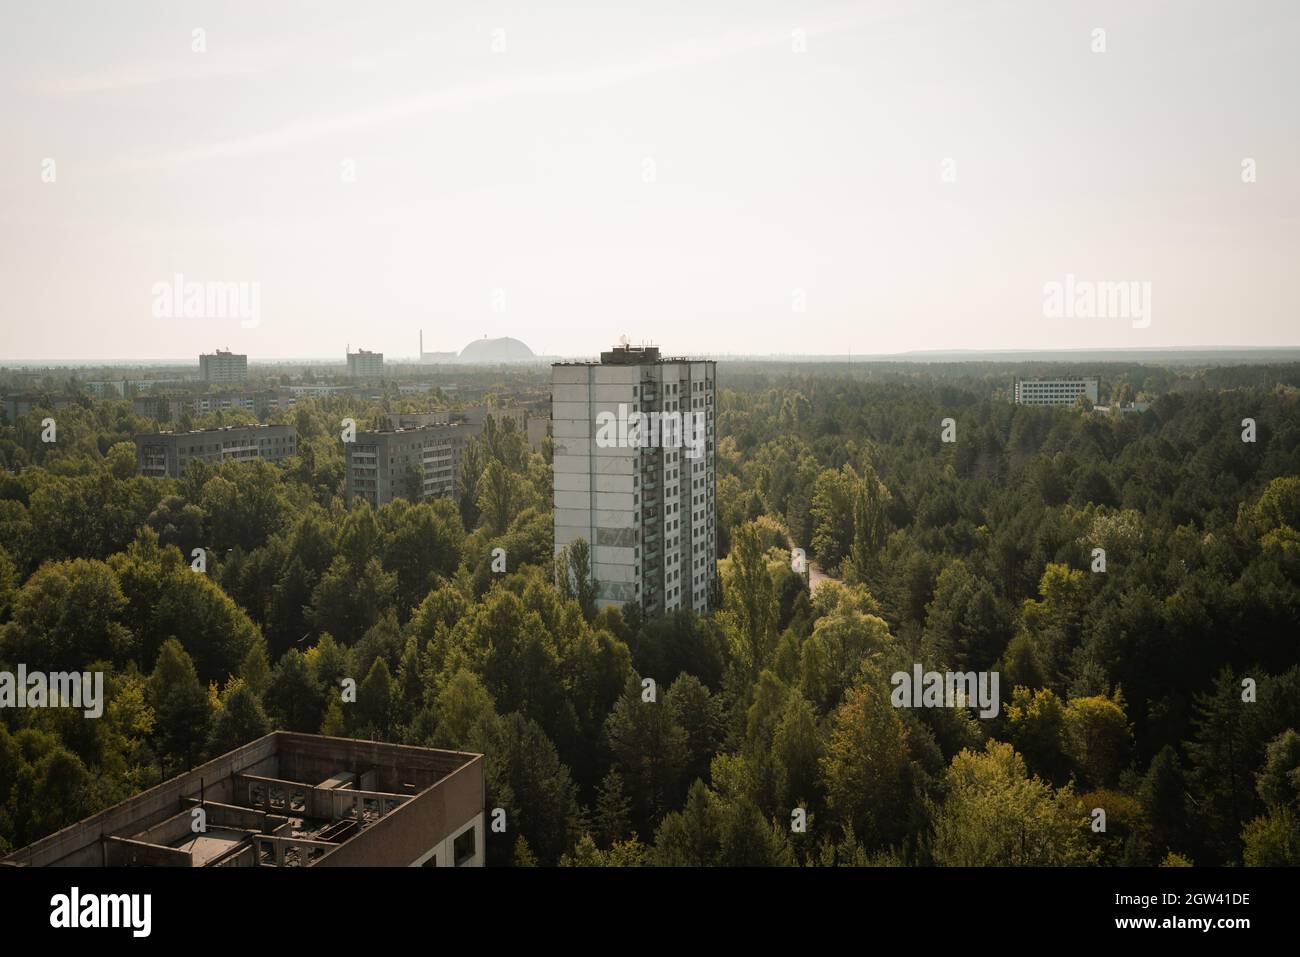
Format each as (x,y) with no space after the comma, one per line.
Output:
(485,351)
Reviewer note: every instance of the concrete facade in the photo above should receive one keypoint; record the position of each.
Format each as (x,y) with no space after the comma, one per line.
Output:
(646,510)
(413,463)
(170,406)
(18,405)
(167,453)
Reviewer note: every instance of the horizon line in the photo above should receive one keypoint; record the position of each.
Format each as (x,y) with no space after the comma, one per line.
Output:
(543,359)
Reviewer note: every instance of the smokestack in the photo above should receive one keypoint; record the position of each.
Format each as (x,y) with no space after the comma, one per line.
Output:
(421,355)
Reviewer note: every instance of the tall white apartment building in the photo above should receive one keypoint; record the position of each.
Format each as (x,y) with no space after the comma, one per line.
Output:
(223,366)
(1056,391)
(640,491)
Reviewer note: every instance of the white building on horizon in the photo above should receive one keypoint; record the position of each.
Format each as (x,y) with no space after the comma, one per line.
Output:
(1063,391)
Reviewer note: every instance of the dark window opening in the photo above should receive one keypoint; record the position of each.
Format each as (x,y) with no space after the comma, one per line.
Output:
(463,848)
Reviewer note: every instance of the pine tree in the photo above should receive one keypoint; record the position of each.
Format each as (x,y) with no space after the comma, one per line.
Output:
(523,854)
(1223,760)
(613,811)
(255,670)
(180,702)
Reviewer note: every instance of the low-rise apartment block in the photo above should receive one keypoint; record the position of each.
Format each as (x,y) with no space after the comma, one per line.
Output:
(167,407)
(161,454)
(411,463)
(16,405)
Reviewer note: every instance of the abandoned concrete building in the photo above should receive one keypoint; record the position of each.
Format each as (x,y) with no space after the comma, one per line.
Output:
(290,800)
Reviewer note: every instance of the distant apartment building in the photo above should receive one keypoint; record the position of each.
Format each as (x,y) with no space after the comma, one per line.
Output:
(1056,391)
(167,407)
(529,421)
(645,504)
(415,420)
(258,403)
(153,407)
(413,463)
(477,414)
(537,429)
(290,800)
(366,365)
(222,367)
(110,389)
(167,453)
(318,391)
(19,404)
(1132,408)
(120,388)
(465,393)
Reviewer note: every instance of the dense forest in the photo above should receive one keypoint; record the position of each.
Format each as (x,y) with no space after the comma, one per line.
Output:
(1162,687)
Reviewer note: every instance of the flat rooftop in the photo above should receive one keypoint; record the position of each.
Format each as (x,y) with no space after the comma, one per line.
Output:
(284,800)
(635,360)
(223,428)
(1060,378)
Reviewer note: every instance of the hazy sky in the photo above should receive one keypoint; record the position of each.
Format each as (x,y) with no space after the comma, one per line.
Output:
(711,176)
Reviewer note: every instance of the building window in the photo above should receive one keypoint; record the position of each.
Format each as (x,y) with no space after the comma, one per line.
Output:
(463,848)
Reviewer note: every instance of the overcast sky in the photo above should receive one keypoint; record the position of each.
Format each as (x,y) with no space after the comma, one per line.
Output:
(711,176)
